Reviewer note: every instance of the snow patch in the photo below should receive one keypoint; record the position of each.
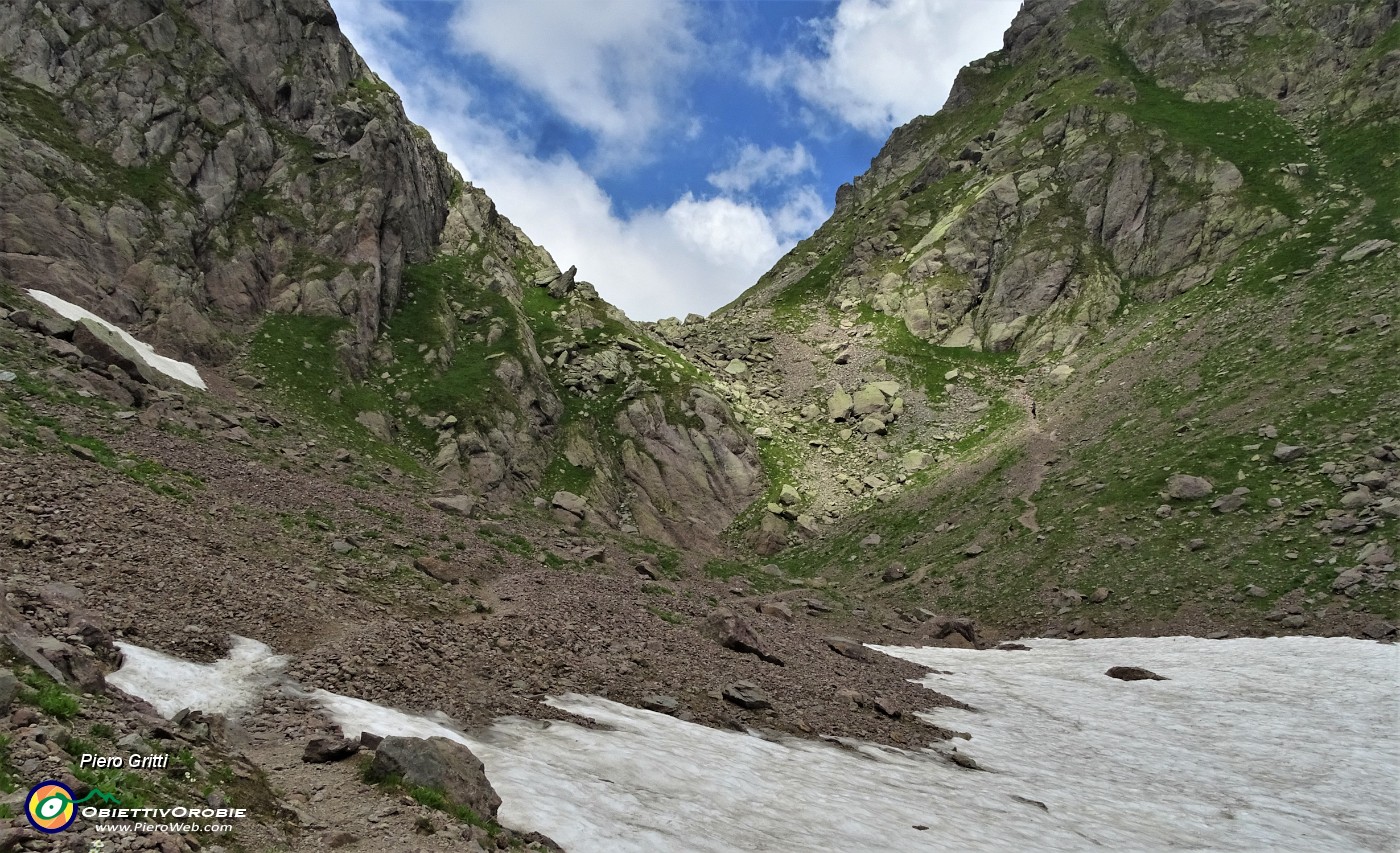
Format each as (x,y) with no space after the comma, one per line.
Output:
(170,684)
(180,371)
(1278,744)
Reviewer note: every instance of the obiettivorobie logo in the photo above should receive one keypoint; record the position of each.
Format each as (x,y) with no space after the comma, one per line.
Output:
(51,806)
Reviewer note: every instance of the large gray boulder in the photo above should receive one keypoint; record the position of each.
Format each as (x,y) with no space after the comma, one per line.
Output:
(438,763)
(106,346)
(1186,487)
(729,630)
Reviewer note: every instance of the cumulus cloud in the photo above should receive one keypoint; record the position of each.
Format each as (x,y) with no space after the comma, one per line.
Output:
(756,166)
(607,66)
(694,254)
(879,63)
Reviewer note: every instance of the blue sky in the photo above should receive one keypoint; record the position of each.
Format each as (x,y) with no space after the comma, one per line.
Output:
(671,149)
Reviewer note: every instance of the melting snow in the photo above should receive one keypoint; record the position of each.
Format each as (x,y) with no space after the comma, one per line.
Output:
(178,370)
(1251,745)
(170,684)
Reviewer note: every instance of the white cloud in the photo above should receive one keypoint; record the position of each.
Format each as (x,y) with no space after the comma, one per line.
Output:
(694,254)
(880,63)
(607,66)
(756,166)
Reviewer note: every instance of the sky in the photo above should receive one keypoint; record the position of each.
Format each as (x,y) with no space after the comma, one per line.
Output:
(672,150)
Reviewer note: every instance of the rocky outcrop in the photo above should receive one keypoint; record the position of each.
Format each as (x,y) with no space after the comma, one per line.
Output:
(689,479)
(1027,213)
(439,764)
(180,169)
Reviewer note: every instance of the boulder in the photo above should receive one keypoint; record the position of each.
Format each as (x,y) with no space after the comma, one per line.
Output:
(1288,452)
(454,504)
(107,347)
(941,627)
(747,695)
(873,426)
(1366,249)
(1347,579)
(1133,673)
(776,609)
(1226,504)
(563,284)
(324,750)
(770,537)
(378,425)
(868,400)
(894,572)
(887,706)
(848,648)
(838,405)
(1187,487)
(914,460)
(438,763)
(9,689)
(660,704)
(439,570)
(731,631)
(570,502)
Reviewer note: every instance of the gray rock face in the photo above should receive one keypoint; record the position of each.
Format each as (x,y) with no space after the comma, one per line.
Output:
(690,480)
(196,159)
(1041,222)
(9,689)
(437,763)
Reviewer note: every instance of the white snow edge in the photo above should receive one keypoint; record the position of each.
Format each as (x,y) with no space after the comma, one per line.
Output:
(180,371)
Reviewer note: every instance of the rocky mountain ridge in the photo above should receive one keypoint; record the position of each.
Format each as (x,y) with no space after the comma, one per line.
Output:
(1105,347)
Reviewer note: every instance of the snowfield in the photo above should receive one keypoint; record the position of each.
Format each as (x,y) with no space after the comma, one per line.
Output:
(180,371)
(1251,745)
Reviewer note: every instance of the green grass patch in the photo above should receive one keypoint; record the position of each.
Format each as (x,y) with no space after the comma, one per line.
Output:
(9,776)
(666,615)
(298,356)
(49,696)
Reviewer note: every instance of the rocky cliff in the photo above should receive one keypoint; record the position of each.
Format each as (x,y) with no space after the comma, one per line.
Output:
(191,169)
(1109,216)
(185,167)
(1141,239)
(1108,151)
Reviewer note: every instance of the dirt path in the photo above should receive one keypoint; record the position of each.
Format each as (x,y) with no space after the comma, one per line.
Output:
(1042,446)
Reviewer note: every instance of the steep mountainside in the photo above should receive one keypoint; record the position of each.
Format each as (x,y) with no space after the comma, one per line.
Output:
(1104,347)
(192,170)
(188,167)
(1143,239)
